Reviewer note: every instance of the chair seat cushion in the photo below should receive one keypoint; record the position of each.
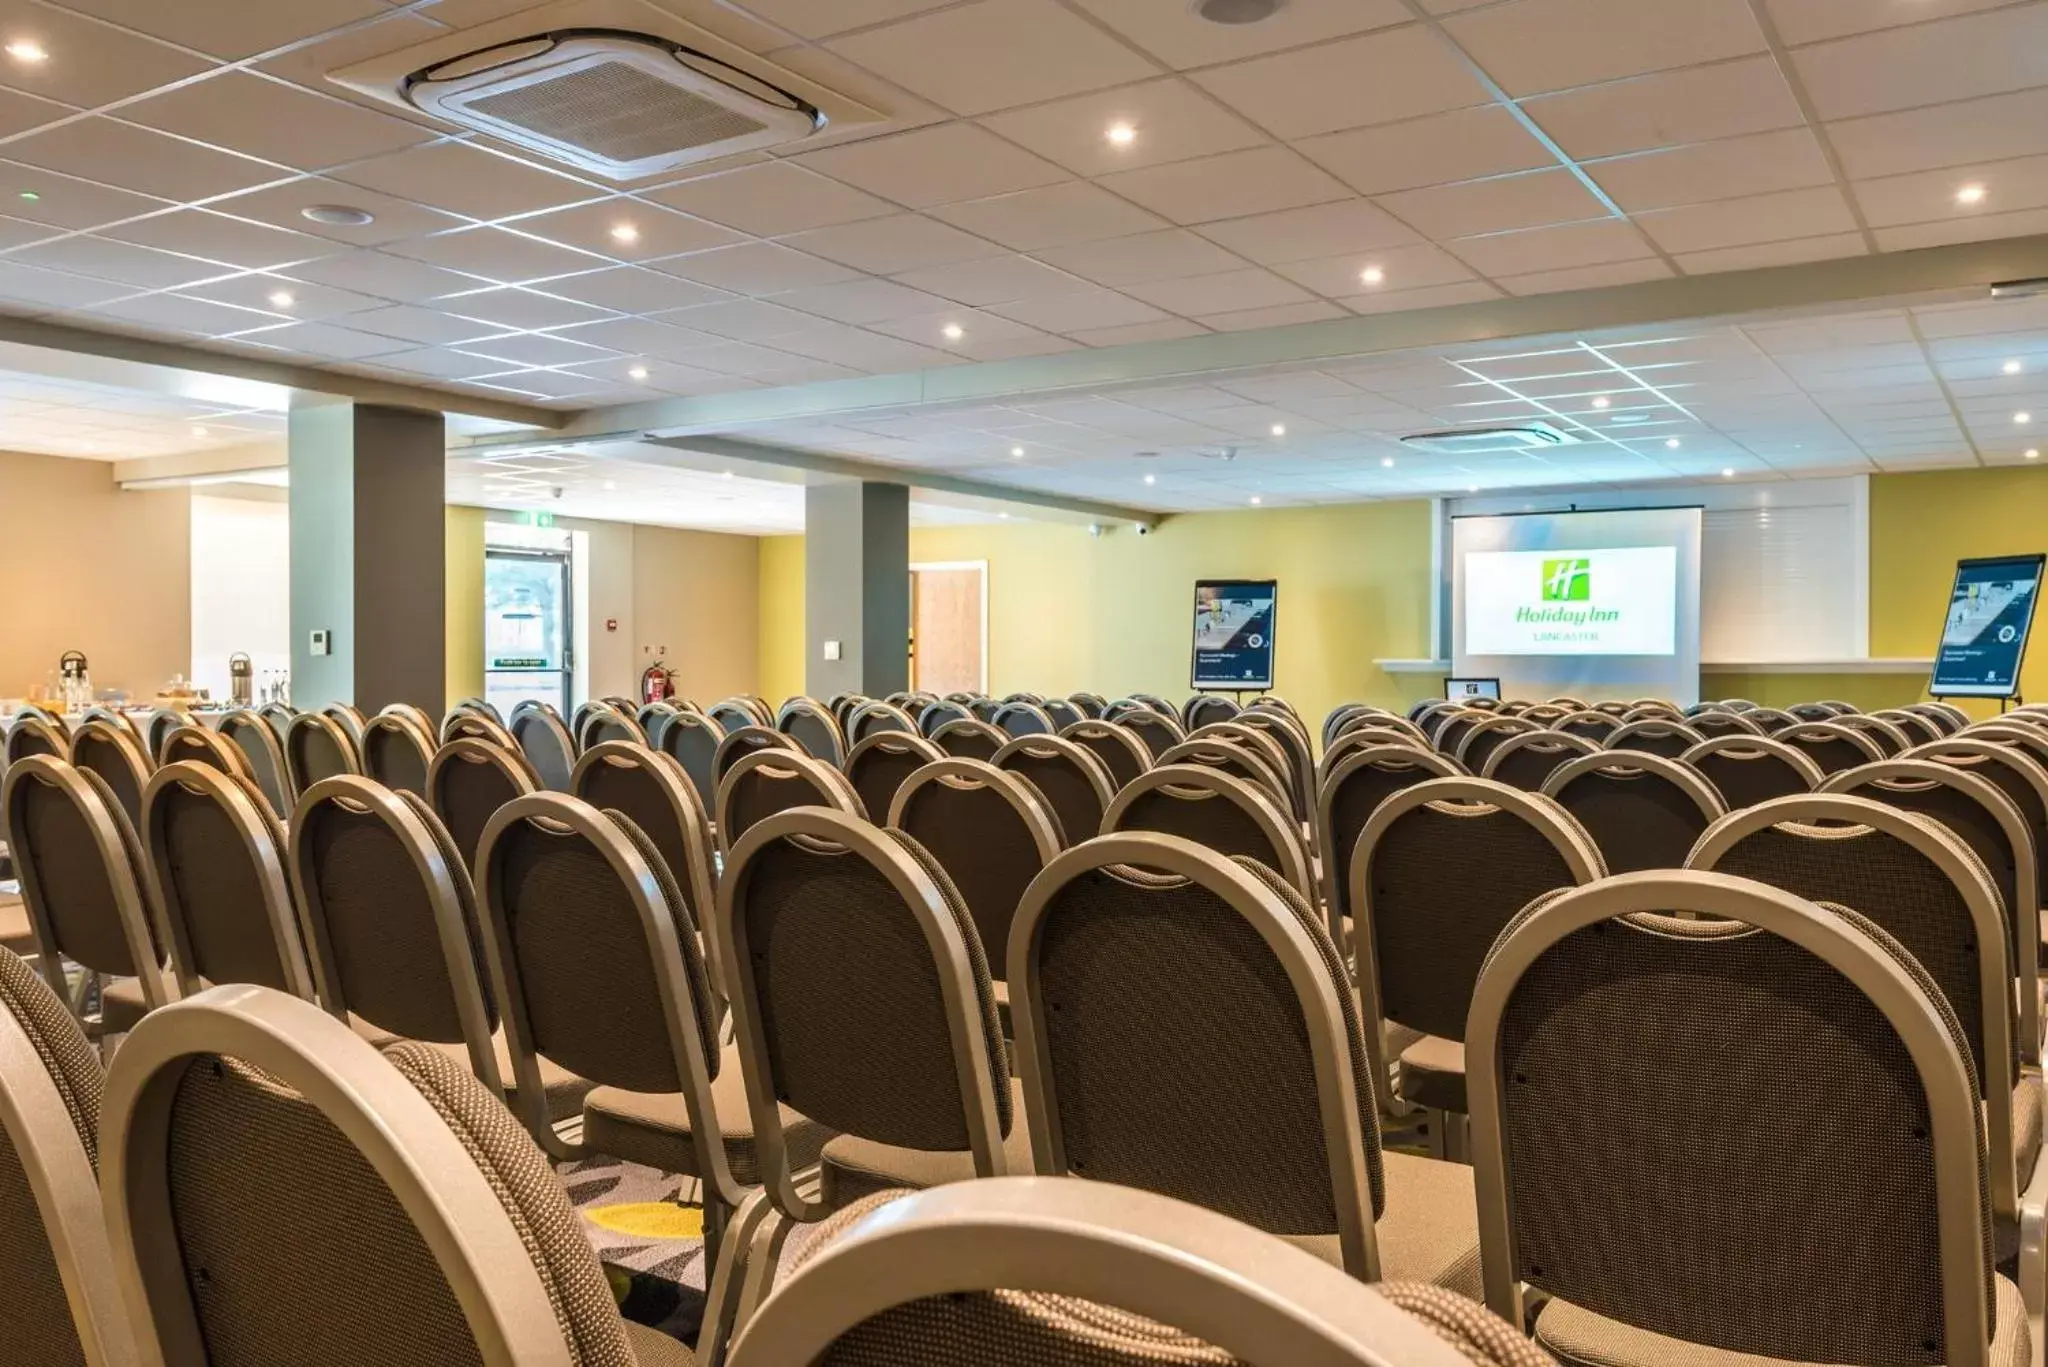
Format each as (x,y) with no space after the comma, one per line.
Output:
(653,1128)
(2026,1124)
(1433,1074)
(652,1348)
(1580,1338)
(565,1091)
(854,1168)
(1429,1232)
(121,1005)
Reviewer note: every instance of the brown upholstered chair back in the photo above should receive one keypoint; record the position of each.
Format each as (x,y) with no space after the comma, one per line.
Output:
(116,756)
(196,743)
(2015,772)
(878,765)
(651,790)
(775,780)
(1527,761)
(991,831)
(810,723)
(476,724)
(258,741)
(1713,724)
(1643,811)
(876,715)
(970,738)
(1159,731)
(1215,809)
(1831,745)
(1748,769)
(1120,750)
(1662,735)
(1484,737)
(693,739)
(1588,725)
(1075,784)
(316,747)
(34,735)
(1889,738)
(1237,760)
(396,753)
(549,748)
(1351,793)
(468,781)
(739,743)
(1300,770)
(1448,729)
(1023,718)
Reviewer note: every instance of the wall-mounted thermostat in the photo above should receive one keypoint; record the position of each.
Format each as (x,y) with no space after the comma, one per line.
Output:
(831,650)
(318,642)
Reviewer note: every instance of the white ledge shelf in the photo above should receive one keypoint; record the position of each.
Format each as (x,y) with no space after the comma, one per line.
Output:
(1857,666)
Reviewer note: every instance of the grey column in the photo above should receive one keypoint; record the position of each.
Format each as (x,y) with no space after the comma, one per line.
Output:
(369,565)
(857,588)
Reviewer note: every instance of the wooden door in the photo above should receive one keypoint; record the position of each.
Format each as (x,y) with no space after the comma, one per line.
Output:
(949,628)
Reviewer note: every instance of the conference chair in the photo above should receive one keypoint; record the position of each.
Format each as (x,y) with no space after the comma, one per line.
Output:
(1438,870)
(349,719)
(1771,719)
(317,747)
(1375,721)
(1891,740)
(1614,708)
(196,743)
(1334,720)
(1587,725)
(879,716)
(1366,738)
(397,751)
(2031,740)
(63,1298)
(734,713)
(1526,760)
(1917,727)
(478,706)
(1204,708)
(468,724)
(1748,769)
(971,738)
(2021,777)
(811,726)
(1090,705)
(1482,738)
(1159,731)
(770,781)
(1830,744)
(1660,735)
(279,1191)
(1119,748)
(939,714)
(216,856)
(1023,718)
(1452,728)
(1232,758)
(1286,729)
(1813,711)
(651,790)
(115,754)
(1351,792)
(1712,725)
(411,712)
(1227,814)
(31,734)
(84,881)
(1161,705)
(1653,709)
(1075,784)
(1642,810)
(654,717)
(610,724)
(541,736)
(1021,1271)
(1603,1100)
(983,707)
(468,781)
(878,765)
(1185,1025)
(747,740)
(165,720)
(1063,713)
(693,739)
(1947,716)
(265,753)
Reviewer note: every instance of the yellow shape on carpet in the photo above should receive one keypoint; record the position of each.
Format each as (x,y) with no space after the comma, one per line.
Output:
(649,1220)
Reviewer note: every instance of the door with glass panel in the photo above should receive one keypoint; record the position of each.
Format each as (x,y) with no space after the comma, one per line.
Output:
(526,628)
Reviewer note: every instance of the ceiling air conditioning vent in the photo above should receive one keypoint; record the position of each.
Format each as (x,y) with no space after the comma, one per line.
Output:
(1473,441)
(613,103)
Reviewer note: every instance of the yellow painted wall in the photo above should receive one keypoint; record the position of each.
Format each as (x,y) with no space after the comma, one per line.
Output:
(465,580)
(1114,613)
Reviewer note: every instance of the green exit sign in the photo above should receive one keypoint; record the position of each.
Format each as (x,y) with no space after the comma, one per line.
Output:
(537,519)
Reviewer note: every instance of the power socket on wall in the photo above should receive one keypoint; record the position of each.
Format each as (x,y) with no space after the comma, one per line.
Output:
(831,650)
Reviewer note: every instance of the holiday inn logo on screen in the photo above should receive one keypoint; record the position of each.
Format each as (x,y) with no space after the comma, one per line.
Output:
(1567,581)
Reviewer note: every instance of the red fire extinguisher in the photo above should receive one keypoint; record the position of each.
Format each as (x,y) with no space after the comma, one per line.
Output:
(656,684)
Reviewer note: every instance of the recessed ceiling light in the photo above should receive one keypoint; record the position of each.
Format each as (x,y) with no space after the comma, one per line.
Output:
(1386,462)
(282,299)
(27,50)
(1255,500)
(1373,275)
(2033,454)
(1973,193)
(725,474)
(1279,429)
(1601,401)
(1471,488)
(338,215)
(1151,479)
(1237,11)
(1017,452)
(1728,472)
(1671,443)
(1004,516)
(610,485)
(2012,367)
(638,372)
(954,332)
(198,431)
(1121,134)
(625,232)
(30,196)
(2022,418)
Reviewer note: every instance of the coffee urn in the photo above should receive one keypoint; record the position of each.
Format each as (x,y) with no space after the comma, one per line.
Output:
(241,679)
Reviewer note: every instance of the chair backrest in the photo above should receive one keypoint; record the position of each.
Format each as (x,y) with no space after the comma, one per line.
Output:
(1375,721)
(741,710)
(1062,712)
(771,781)
(1890,739)
(970,738)
(1588,725)
(2015,772)
(1447,730)
(813,727)
(1658,735)
(408,711)
(240,1126)
(1074,783)
(871,717)
(1771,719)
(1204,708)
(545,741)
(83,875)
(196,743)
(278,714)
(1135,956)
(348,717)
(1483,737)
(1918,727)
(114,753)
(1212,808)
(607,723)
(467,722)
(390,918)
(1236,759)
(1748,769)
(991,831)
(1437,871)
(1813,711)
(252,732)
(651,790)
(939,713)
(1713,724)
(861,996)
(1527,760)
(1159,731)
(33,734)
(1036,1271)
(317,747)
(1831,745)
(1365,738)
(397,751)
(1300,771)
(693,739)
(1091,705)
(1642,810)
(1946,716)
(1121,751)
(748,740)
(879,764)
(467,783)
(64,1305)
(654,718)
(165,720)
(1350,794)
(1023,719)
(1798,1029)
(217,865)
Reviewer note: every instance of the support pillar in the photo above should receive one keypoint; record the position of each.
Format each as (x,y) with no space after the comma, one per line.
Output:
(856,589)
(368,527)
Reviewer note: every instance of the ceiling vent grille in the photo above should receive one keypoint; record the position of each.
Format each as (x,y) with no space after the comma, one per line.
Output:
(1472,441)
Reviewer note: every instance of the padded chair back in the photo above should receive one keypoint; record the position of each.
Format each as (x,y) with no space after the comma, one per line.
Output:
(771,781)
(1798,1029)
(348,718)
(651,790)
(390,918)
(1023,719)
(1715,724)
(196,743)
(1746,770)
(1074,783)
(693,739)
(1351,793)
(1890,739)
(939,713)
(1588,725)
(1947,716)
(476,725)
(242,1125)
(1813,711)
(1235,759)
(1447,730)
(1212,808)
(35,735)
(1375,721)
(812,727)
(1831,745)
(991,831)
(1300,770)
(1527,760)
(83,876)
(1090,705)
(970,738)
(1643,811)
(871,717)
(748,740)
(278,714)
(1159,731)
(407,711)
(1483,737)
(540,736)
(259,744)
(1917,727)
(2016,773)
(1120,749)
(317,747)
(654,718)
(64,1305)
(861,995)
(467,783)
(164,720)
(1367,737)
(608,723)
(396,753)
(116,756)
(1133,956)
(1771,719)
(879,764)
(1205,708)
(217,864)
(1659,735)
(1062,712)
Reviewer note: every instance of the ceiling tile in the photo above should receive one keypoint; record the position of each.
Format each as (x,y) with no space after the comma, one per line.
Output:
(108,260)
(534,349)
(886,245)
(1901,68)
(307,300)
(1531,200)
(1533,46)
(464,180)
(1377,77)
(755,268)
(1427,297)
(1051,217)
(324,340)
(138,159)
(1171,120)
(426,327)
(822,18)
(386,277)
(517,308)
(630,289)
(1972,228)
(1176,35)
(640,337)
(1725,100)
(1930,196)
(1402,271)
(862,301)
(1586,277)
(653,232)
(495,254)
(1024,51)
(441,364)
(771,199)
(1464,145)
(26,285)
(1147,256)
(1746,222)
(1233,185)
(1167,330)
(232,29)
(1228,292)
(743,320)
(66,202)
(284,206)
(19,112)
(1995,128)
(1564,247)
(1321,230)
(940,165)
(120,64)
(273,120)
(1278,316)
(173,313)
(1810,21)
(1761,163)
(1081,311)
(216,237)
(995,280)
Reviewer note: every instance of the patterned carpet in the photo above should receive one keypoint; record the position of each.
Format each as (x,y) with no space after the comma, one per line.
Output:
(649,1234)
